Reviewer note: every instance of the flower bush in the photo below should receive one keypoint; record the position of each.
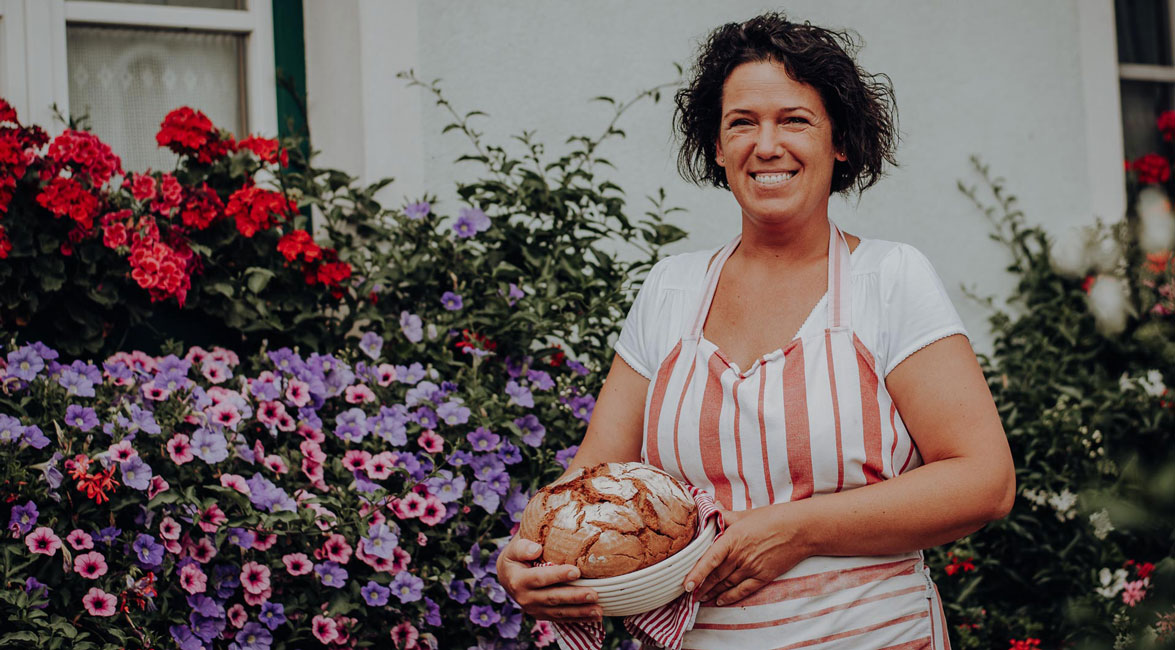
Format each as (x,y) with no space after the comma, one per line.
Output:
(389,387)
(1080,368)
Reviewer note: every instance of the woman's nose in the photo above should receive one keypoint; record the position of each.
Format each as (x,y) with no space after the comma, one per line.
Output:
(769,143)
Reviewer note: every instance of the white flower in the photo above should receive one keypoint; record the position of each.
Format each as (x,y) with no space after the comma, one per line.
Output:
(1109,302)
(1111,583)
(1063,503)
(1069,253)
(1101,523)
(1105,254)
(1034,497)
(1153,384)
(1156,224)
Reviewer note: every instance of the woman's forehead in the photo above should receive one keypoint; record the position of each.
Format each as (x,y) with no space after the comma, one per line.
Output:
(761,85)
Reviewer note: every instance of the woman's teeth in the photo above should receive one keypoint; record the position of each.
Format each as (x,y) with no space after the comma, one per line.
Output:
(772,179)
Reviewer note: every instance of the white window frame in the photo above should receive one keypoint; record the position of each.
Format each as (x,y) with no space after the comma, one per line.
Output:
(1105,148)
(34,74)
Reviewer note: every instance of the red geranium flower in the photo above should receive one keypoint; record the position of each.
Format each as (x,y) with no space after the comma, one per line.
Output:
(298,243)
(5,245)
(143,187)
(1151,169)
(1026,644)
(1166,123)
(255,209)
(189,132)
(7,112)
(201,207)
(86,156)
(67,197)
(267,149)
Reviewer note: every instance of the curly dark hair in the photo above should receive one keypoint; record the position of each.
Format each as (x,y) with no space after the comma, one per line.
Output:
(861,105)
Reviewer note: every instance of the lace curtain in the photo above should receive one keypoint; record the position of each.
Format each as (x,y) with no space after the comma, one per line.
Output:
(1143,37)
(127,79)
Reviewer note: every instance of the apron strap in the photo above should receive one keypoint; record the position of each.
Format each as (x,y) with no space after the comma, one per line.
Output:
(839,280)
(712,274)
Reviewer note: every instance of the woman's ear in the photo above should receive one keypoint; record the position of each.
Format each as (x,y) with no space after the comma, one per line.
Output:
(718,156)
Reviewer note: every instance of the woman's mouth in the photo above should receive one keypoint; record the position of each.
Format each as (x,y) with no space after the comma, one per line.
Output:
(772,178)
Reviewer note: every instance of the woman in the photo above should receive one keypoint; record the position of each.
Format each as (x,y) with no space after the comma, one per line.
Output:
(821,386)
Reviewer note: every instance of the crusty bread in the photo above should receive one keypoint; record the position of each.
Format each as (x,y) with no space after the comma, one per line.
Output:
(611,519)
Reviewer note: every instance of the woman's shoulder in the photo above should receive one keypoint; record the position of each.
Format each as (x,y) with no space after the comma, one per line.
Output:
(882,257)
(681,271)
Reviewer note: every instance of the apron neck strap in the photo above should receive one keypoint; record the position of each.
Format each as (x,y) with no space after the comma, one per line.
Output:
(839,288)
(712,274)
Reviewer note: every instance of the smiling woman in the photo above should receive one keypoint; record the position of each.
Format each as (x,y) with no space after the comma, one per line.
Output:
(820,386)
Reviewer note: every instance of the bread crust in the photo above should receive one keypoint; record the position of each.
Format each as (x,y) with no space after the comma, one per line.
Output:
(611,519)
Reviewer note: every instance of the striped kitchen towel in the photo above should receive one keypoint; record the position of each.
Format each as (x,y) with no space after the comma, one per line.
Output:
(663,627)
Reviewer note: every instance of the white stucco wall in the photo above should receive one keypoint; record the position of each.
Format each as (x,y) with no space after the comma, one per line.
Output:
(1016,83)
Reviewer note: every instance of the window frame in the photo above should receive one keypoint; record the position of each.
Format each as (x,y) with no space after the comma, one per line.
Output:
(34,76)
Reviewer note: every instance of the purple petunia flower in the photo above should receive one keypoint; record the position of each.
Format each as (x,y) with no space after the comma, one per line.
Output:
(407,587)
(34,437)
(136,473)
(509,453)
(459,458)
(432,614)
(412,327)
(417,211)
(515,504)
(519,394)
(241,537)
(514,294)
(446,487)
(371,344)
(452,301)
(471,221)
(486,465)
(582,407)
(272,614)
(425,417)
(253,636)
(380,541)
(499,482)
(578,367)
(210,447)
(484,615)
(351,425)
(453,413)
(267,496)
(410,374)
(533,431)
(82,417)
(482,439)
(75,383)
(143,420)
(331,574)
(10,428)
(564,456)
(36,589)
(23,518)
(185,639)
(541,379)
(375,594)
(485,496)
(458,591)
(24,363)
(511,623)
(148,552)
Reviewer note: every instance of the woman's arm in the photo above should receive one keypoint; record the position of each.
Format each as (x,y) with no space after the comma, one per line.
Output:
(614,434)
(967,480)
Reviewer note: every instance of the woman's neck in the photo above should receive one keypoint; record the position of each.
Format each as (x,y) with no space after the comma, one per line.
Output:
(785,243)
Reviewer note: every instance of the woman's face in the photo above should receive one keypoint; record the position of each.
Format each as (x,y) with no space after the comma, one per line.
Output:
(775,143)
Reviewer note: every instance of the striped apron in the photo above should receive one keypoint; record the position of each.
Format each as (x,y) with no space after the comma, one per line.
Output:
(810,418)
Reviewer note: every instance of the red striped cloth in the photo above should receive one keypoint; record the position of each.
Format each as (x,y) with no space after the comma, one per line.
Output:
(663,627)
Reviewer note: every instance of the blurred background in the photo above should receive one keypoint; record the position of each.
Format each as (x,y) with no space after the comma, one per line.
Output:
(1053,94)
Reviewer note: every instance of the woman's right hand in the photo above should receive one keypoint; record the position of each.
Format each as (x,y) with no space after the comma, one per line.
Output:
(541,591)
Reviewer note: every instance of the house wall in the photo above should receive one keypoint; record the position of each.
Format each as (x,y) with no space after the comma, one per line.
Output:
(1028,87)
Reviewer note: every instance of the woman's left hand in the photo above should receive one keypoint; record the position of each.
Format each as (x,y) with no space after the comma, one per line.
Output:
(758,546)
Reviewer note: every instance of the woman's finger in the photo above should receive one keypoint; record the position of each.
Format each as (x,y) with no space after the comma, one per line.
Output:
(743,587)
(710,560)
(719,580)
(545,576)
(568,614)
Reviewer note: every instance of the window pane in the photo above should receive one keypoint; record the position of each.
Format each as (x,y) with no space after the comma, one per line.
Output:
(1142,102)
(1144,31)
(127,80)
(204,4)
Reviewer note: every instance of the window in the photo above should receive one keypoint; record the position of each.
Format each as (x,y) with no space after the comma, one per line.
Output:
(126,63)
(1146,69)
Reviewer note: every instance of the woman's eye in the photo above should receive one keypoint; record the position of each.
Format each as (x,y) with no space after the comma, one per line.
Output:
(797,120)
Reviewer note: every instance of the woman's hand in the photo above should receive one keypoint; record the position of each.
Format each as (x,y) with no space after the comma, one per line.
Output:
(540,590)
(759,545)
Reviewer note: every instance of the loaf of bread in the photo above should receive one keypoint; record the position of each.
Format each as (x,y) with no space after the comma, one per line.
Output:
(611,519)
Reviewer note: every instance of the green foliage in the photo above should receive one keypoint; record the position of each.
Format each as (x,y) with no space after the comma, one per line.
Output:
(1091,428)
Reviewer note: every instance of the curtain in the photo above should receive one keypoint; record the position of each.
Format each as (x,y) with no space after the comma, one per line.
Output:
(126,80)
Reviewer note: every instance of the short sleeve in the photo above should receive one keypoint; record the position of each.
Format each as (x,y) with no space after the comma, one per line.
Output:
(637,343)
(915,308)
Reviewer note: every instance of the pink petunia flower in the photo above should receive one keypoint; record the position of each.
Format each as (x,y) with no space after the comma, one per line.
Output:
(386,373)
(158,486)
(43,541)
(380,465)
(337,549)
(79,539)
(543,634)
(270,412)
(196,355)
(255,577)
(217,373)
(193,579)
(122,451)
(225,356)
(155,393)
(400,560)
(297,564)
(99,603)
(224,414)
(421,539)
(314,474)
(263,541)
(430,441)
(405,635)
(258,598)
(236,482)
(212,518)
(285,423)
(237,615)
(313,451)
(90,565)
(298,392)
(359,394)
(355,459)
(275,464)
(433,512)
(412,505)
(180,449)
(324,629)
(310,433)
(203,550)
(169,528)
